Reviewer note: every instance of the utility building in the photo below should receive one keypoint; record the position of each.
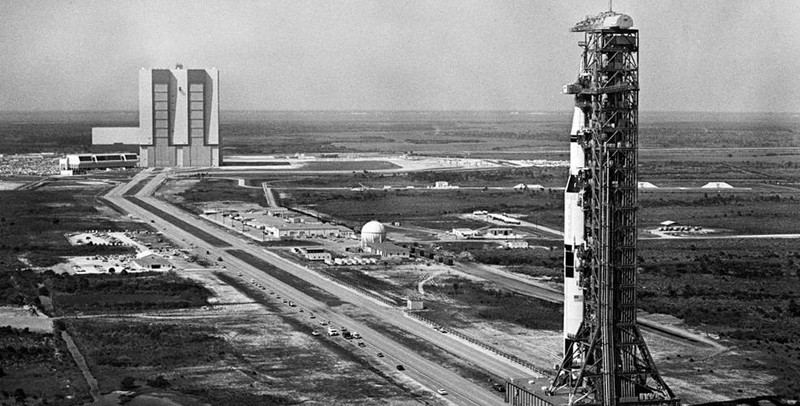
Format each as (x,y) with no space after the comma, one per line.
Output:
(178,119)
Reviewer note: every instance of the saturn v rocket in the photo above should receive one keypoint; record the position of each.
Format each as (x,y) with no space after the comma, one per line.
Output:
(573,231)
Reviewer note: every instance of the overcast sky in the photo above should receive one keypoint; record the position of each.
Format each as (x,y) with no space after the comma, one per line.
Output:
(696,55)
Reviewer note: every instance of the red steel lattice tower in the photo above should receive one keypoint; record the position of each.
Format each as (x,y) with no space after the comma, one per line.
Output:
(606,361)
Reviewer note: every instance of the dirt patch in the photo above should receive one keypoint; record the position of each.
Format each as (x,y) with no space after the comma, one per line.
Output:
(25,318)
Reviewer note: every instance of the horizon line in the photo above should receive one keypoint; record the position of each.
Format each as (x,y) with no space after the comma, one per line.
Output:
(407,111)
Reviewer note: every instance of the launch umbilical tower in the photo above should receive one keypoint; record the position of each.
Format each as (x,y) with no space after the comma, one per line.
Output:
(606,361)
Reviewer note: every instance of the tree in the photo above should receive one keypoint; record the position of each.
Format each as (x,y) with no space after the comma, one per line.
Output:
(20,395)
(158,382)
(127,383)
(59,325)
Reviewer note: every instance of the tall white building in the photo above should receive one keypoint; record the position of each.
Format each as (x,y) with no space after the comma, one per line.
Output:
(178,119)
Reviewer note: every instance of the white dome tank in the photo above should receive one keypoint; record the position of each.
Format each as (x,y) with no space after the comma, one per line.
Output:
(373,232)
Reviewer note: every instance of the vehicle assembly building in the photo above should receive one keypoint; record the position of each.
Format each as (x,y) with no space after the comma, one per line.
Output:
(606,361)
(178,119)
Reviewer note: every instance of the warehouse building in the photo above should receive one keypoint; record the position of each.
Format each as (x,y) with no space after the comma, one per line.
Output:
(315,254)
(387,250)
(81,163)
(306,230)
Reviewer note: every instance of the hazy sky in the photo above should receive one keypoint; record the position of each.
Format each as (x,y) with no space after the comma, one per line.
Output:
(696,55)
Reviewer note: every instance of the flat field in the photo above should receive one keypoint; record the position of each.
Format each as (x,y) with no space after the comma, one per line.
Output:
(241,350)
(426,208)
(34,224)
(736,212)
(37,367)
(104,293)
(742,290)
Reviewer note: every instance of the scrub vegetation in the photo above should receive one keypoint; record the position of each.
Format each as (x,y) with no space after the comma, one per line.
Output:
(125,292)
(34,222)
(745,291)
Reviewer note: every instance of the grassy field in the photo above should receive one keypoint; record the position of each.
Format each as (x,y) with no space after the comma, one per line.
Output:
(348,166)
(87,294)
(341,375)
(215,190)
(742,290)
(37,369)
(461,301)
(33,225)
(419,207)
(742,213)
(745,291)
(363,279)
(536,262)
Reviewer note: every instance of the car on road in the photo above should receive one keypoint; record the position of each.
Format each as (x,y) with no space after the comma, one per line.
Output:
(311,316)
(380,355)
(323,323)
(356,335)
(315,333)
(401,368)
(346,334)
(441,391)
(361,344)
(332,332)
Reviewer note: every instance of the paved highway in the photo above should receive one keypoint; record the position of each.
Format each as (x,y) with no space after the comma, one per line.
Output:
(422,370)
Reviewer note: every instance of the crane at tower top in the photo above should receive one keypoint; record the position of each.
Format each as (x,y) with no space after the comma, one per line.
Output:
(605,20)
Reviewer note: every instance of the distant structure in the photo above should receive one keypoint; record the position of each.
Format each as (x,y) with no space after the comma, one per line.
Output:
(373,233)
(74,164)
(373,241)
(606,361)
(178,119)
(717,185)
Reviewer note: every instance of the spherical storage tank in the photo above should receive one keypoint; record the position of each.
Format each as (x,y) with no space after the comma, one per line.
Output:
(373,232)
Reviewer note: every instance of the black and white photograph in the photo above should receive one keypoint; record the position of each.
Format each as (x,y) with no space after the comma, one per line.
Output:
(405,202)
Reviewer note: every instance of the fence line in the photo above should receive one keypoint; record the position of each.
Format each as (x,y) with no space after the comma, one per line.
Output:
(392,303)
(513,358)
